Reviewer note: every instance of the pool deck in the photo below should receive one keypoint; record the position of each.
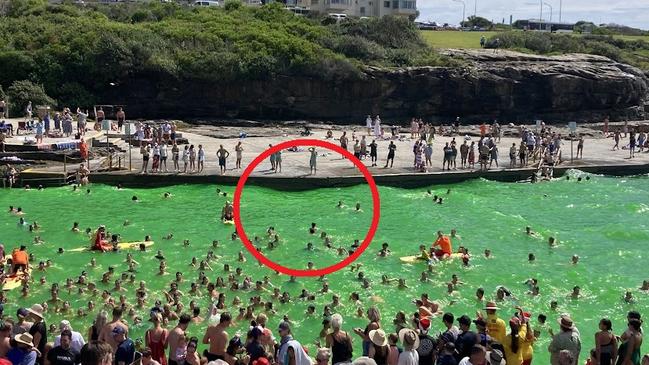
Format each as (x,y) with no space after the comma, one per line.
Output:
(334,171)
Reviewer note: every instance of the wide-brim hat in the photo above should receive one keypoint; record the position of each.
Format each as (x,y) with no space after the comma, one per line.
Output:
(566,322)
(409,337)
(491,306)
(36,310)
(378,337)
(25,339)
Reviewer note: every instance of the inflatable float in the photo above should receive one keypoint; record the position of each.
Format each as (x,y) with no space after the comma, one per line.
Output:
(121,246)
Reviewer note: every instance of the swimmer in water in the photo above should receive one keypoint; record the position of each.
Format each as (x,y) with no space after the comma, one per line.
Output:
(168,237)
(385,251)
(575,259)
(75,227)
(628,297)
(159,255)
(645,285)
(358,207)
(531,257)
(134,198)
(227,213)
(309,246)
(529,232)
(167,195)
(576,292)
(552,242)
(340,204)
(313,228)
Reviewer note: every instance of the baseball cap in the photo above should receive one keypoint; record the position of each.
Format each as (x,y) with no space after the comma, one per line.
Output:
(465,320)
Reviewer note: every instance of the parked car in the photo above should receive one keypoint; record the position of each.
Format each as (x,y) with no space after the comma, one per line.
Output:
(338,17)
(205,3)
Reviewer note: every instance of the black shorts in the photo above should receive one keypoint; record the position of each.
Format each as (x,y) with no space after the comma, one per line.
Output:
(221,161)
(145,158)
(163,158)
(120,122)
(212,357)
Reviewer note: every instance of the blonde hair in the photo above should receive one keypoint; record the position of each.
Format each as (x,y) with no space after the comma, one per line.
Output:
(373,314)
(336,321)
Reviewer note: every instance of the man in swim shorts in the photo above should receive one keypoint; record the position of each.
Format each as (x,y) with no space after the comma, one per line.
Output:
(444,244)
(19,260)
(227,213)
(222,155)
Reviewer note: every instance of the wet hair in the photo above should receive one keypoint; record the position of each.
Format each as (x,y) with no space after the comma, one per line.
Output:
(184,319)
(542,318)
(607,323)
(635,323)
(225,317)
(196,311)
(514,337)
(117,312)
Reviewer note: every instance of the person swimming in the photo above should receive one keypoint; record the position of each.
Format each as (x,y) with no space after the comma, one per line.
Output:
(340,204)
(75,227)
(313,228)
(227,213)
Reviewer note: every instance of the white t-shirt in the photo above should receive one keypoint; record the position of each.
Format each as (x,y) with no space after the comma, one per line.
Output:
(163,151)
(408,358)
(465,361)
(76,342)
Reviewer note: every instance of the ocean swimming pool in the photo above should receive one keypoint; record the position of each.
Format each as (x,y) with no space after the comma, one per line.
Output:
(603,220)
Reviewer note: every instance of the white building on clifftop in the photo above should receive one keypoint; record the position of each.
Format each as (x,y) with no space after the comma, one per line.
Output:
(368,8)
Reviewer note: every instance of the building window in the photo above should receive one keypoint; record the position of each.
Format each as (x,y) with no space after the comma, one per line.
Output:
(408,4)
(395,4)
(340,2)
(386,4)
(362,10)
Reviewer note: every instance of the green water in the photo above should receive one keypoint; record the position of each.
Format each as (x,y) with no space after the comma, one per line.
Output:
(603,220)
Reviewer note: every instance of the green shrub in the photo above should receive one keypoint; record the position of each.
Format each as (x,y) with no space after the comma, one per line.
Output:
(22,92)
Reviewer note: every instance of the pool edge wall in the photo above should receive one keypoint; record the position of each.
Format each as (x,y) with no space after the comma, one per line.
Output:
(395,180)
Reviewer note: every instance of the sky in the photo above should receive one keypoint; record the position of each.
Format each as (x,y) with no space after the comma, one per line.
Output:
(634,13)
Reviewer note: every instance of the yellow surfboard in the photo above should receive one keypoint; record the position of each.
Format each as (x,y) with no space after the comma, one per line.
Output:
(14,282)
(417,258)
(121,246)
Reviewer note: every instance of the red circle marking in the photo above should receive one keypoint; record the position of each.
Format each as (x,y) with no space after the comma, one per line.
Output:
(326,270)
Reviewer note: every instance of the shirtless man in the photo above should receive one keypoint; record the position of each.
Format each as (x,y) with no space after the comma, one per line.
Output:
(173,341)
(5,335)
(227,213)
(106,333)
(222,155)
(217,338)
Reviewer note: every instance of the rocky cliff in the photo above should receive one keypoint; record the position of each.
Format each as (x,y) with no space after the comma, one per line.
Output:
(504,85)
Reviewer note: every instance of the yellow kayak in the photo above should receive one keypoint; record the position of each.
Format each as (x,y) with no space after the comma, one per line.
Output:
(121,246)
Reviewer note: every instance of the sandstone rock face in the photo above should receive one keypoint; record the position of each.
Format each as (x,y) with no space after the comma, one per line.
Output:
(508,86)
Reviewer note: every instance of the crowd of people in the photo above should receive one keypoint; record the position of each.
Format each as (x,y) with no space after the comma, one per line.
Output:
(411,338)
